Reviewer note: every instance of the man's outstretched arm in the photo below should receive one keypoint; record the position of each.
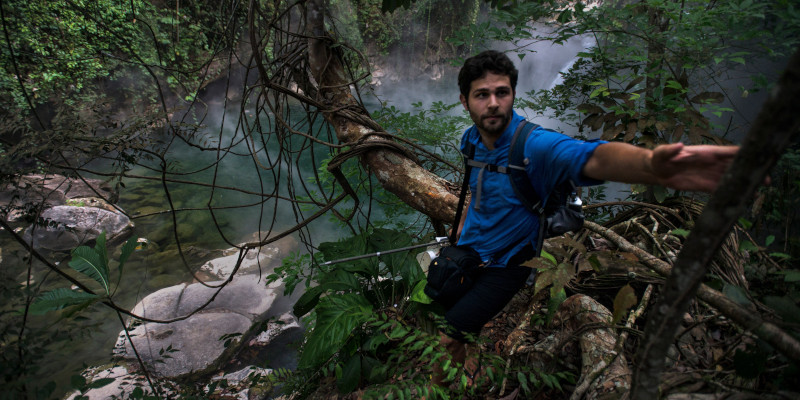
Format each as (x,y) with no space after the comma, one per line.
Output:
(690,168)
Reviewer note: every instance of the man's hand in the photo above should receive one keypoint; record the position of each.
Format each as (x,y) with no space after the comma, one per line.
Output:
(692,168)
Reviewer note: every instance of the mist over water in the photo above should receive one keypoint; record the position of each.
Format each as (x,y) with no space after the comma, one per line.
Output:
(539,68)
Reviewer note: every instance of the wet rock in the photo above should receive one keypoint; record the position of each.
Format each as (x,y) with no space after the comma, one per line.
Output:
(51,190)
(197,344)
(261,261)
(122,386)
(67,227)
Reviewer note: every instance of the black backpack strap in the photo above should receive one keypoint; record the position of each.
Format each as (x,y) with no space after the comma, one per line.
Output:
(469,153)
(520,181)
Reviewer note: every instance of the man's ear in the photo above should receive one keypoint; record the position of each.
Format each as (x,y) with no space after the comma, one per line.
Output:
(464,101)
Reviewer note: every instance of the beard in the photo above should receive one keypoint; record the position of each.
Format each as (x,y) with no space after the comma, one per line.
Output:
(494,124)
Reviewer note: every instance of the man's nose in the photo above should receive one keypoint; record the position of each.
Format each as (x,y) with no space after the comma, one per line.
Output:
(493,101)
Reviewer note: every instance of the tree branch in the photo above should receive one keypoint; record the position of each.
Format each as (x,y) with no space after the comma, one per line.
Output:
(398,174)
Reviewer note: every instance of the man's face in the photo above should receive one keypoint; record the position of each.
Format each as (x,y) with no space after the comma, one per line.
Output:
(489,104)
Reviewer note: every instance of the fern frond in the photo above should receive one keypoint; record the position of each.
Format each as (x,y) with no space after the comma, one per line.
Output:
(337,317)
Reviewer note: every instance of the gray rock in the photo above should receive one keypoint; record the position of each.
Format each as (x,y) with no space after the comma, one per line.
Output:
(69,227)
(262,261)
(52,190)
(252,262)
(193,345)
(123,385)
(235,378)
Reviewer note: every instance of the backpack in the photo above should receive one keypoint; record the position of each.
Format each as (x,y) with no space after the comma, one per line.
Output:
(560,214)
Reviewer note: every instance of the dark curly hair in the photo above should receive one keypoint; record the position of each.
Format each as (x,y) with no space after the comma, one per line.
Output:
(488,61)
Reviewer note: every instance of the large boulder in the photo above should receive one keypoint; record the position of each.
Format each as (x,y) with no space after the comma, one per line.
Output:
(62,228)
(199,343)
(51,190)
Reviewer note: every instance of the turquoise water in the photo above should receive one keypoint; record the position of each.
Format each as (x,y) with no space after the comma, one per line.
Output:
(239,178)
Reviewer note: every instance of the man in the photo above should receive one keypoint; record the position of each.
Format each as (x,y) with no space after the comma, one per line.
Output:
(498,226)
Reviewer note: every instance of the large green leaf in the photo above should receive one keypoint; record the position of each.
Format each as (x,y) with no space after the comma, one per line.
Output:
(418,294)
(59,298)
(387,239)
(101,249)
(337,317)
(307,301)
(92,264)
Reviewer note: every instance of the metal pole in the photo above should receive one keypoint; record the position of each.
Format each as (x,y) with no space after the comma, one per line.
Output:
(439,241)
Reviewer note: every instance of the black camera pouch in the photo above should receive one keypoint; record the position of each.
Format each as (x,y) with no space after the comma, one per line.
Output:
(451,274)
(564,219)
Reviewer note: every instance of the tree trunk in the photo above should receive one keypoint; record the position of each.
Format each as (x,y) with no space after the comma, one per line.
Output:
(424,191)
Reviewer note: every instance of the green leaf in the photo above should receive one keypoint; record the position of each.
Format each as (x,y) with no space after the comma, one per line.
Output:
(549,257)
(307,301)
(337,317)
(78,382)
(780,255)
(127,250)
(625,299)
(418,293)
(769,240)
(90,263)
(791,275)
(680,232)
(785,307)
(660,193)
(59,298)
(101,249)
(351,375)
(557,296)
(565,16)
(375,370)
(736,294)
(672,84)
(523,382)
(375,341)
(746,224)
(98,383)
(747,245)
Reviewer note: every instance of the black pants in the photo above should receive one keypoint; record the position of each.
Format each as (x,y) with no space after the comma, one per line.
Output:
(494,287)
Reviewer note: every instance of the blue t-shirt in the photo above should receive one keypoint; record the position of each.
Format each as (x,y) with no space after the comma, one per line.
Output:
(498,218)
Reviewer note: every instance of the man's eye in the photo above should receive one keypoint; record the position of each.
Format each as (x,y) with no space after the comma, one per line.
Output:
(480,95)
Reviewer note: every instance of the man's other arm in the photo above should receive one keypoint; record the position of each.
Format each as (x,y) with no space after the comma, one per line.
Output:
(690,168)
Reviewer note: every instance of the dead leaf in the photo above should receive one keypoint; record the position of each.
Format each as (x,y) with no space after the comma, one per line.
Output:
(677,134)
(695,133)
(612,133)
(587,108)
(597,122)
(630,131)
(625,299)
(513,395)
